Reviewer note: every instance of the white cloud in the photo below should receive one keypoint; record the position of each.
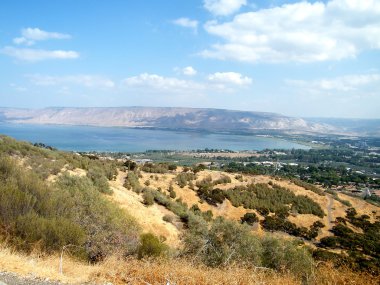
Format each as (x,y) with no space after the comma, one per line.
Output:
(229,78)
(187,23)
(90,81)
(157,82)
(224,7)
(300,32)
(33,55)
(221,81)
(30,35)
(189,71)
(343,83)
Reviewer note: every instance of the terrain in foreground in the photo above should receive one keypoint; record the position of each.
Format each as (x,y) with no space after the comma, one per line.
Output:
(155,222)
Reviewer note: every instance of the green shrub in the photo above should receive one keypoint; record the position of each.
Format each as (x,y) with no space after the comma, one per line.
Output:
(224,243)
(308,186)
(148,197)
(72,211)
(336,197)
(52,234)
(99,180)
(108,228)
(287,256)
(151,246)
(211,196)
(132,182)
(172,194)
(224,179)
(261,196)
(168,218)
(249,218)
(156,168)
(183,178)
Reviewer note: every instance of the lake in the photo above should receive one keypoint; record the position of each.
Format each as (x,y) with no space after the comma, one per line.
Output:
(86,138)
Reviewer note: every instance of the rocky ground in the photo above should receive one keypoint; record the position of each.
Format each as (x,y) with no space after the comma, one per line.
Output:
(13,279)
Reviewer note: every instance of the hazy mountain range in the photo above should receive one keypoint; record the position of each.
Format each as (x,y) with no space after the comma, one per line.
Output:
(188,119)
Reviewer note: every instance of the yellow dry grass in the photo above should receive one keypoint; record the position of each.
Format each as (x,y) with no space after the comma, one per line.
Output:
(228,211)
(75,172)
(361,206)
(178,271)
(74,272)
(150,218)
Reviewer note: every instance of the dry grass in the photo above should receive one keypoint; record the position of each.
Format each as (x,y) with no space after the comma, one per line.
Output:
(74,272)
(182,272)
(75,172)
(178,271)
(227,210)
(327,275)
(150,218)
(361,206)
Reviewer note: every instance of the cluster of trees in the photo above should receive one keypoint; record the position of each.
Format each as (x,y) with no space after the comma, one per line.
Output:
(158,167)
(363,248)
(227,242)
(274,199)
(184,178)
(336,155)
(322,174)
(308,186)
(280,223)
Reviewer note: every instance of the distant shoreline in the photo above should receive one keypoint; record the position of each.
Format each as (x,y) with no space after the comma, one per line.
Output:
(122,139)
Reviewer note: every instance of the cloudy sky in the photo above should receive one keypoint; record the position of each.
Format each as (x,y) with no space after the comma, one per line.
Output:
(298,58)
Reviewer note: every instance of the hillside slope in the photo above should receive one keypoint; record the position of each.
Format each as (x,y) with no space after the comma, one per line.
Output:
(102,210)
(167,118)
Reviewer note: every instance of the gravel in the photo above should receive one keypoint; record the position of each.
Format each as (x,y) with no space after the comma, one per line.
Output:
(7,278)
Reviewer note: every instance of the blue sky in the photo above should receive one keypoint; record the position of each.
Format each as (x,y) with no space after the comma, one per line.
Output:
(298,58)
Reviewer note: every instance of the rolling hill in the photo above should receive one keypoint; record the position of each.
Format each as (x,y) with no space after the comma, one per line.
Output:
(115,213)
(214,120)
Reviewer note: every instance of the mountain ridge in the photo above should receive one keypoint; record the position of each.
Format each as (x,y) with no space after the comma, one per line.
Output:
(207,119)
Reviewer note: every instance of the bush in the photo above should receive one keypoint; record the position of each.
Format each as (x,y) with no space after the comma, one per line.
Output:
(286,256)
(99,180)
(172,194)
(156,168)
(224,179)
(211,196)
(151,246)
(51,234)
(168,218)
(224,243)
(108,228)
(249,218)
(260,196)
(72,211)
(148,197)
(132,182)
(183,178)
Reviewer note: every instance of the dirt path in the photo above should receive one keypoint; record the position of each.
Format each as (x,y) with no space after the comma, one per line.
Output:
(329,212)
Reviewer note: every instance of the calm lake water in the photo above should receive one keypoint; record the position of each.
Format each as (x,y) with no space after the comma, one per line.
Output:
(84,138)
